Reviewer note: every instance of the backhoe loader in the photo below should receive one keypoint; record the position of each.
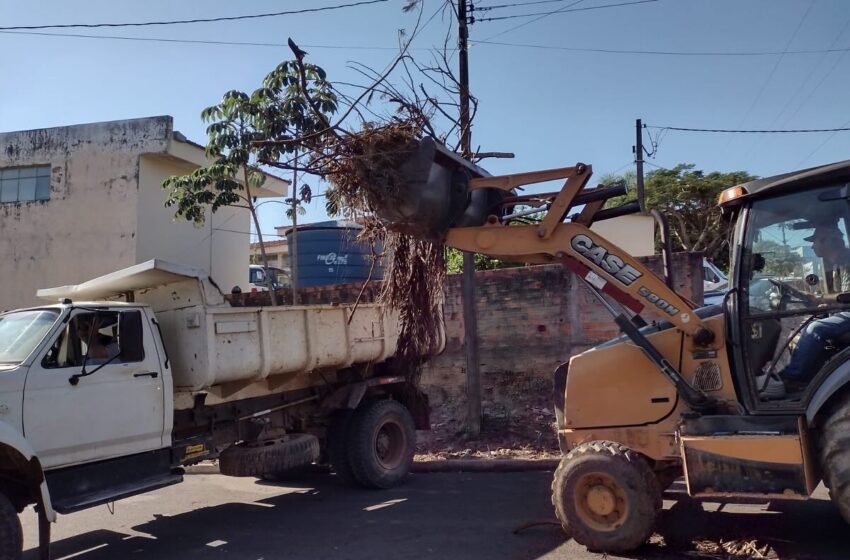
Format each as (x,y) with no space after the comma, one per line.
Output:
(685,391)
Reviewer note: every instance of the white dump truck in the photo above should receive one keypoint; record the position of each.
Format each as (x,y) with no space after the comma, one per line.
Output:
(133,375)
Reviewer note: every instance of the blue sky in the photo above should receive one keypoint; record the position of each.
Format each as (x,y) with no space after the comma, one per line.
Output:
(551,107)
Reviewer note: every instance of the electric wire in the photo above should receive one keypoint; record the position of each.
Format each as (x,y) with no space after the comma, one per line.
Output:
(187,21)
(807,79)
(842,128)
(662,53)
(544,14)
(777,64)
(197,41)
(500,6)
(514,28)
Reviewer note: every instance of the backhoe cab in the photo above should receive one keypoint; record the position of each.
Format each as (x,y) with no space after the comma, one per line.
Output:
(745,399)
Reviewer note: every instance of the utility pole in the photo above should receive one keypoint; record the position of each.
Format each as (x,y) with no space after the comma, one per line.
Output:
(470,314)
(639,164)
(293,249)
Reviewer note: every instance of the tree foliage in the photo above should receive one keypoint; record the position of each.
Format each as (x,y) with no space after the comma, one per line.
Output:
(688,197)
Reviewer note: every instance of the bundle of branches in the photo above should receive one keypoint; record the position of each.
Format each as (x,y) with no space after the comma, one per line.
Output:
(365,177)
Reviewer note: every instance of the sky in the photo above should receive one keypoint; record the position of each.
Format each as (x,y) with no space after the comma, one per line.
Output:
(539,98)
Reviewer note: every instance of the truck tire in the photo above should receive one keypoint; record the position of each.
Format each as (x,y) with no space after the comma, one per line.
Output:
(11,534)
(338,443)
(258,458)
(835,455)
(382,440)
(606,497)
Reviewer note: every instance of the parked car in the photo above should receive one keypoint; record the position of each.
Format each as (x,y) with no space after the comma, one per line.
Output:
(257,278)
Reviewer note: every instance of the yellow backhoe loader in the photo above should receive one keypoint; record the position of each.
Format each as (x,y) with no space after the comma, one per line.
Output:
(702,392)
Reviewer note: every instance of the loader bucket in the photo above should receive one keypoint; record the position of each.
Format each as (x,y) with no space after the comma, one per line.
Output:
(434,193)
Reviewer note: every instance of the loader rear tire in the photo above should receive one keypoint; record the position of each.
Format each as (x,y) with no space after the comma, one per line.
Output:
(382,440)
(606,497)
(338,445)
(11,534)
(835,455)
(267,457)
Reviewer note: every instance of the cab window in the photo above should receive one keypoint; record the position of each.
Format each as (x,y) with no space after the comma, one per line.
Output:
(96,338)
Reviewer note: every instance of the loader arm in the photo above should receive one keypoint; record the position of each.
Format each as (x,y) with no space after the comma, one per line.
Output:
(593,258)
(605,266)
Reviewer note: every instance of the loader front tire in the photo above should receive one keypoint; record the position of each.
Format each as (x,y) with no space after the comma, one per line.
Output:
(835,455)
(11,534)
(606,497)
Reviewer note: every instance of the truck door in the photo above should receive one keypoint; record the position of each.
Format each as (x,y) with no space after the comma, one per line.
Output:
(97,391)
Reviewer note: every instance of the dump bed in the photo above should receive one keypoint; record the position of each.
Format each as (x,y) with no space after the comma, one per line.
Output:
(210,342)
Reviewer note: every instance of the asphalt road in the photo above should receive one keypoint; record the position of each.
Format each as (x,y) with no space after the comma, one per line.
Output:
(443,516)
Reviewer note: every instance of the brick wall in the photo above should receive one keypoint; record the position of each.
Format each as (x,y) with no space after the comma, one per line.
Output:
(532,319)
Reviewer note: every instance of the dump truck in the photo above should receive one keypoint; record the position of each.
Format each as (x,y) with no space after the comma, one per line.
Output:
(700,392)
(128,378)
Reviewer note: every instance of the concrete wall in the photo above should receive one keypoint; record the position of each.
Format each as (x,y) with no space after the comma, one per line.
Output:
(220,246)
(88,226)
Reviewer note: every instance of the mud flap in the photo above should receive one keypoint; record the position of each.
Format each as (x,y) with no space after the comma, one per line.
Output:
(748,464)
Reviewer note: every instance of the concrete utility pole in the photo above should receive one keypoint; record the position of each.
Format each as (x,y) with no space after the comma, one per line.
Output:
(293,249)
(639,164)
(470,314)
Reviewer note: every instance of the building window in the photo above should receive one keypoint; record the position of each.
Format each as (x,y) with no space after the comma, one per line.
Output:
(24,184)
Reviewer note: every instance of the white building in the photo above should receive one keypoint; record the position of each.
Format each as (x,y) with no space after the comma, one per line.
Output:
(80,201)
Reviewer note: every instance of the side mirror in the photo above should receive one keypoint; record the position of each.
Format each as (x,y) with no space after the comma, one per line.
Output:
(758,262)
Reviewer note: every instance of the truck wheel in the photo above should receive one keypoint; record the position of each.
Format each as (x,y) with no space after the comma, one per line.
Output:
(11,534)
(835,456)
(606,497)
(382,440)
(258,458)
(338,442)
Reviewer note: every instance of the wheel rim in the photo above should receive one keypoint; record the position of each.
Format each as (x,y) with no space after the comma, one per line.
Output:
(601,502)
(389,444)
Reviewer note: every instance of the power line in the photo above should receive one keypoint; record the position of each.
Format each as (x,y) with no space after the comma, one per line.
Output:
(735,131)
(195,41)
(514,28)
(778,62)
(199,20)
(661,53)
(488,8)
(544,14)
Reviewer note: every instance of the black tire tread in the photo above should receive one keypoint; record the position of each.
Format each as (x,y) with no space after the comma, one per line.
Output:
(364,465)
(11,533)
(647,502)
(834,454)
(269,457)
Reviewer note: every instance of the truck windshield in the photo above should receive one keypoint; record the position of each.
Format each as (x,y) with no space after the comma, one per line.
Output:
(21,331)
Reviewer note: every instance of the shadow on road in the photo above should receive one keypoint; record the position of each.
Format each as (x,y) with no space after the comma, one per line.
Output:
(798,530)
(445,516)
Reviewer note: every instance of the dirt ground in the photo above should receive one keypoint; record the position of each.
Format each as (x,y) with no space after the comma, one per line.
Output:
(517,422)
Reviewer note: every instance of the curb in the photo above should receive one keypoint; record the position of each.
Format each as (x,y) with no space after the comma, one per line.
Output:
(437,466)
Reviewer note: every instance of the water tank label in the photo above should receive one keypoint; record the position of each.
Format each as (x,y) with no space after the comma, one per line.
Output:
(333,259)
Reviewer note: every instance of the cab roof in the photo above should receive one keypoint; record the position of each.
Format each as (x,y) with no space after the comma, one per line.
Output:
(794,180)
(149,274)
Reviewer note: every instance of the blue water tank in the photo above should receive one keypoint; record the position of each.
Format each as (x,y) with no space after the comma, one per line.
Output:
(329,253)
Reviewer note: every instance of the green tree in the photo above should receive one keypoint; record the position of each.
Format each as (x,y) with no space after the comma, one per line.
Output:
(245,131)
(688,197)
